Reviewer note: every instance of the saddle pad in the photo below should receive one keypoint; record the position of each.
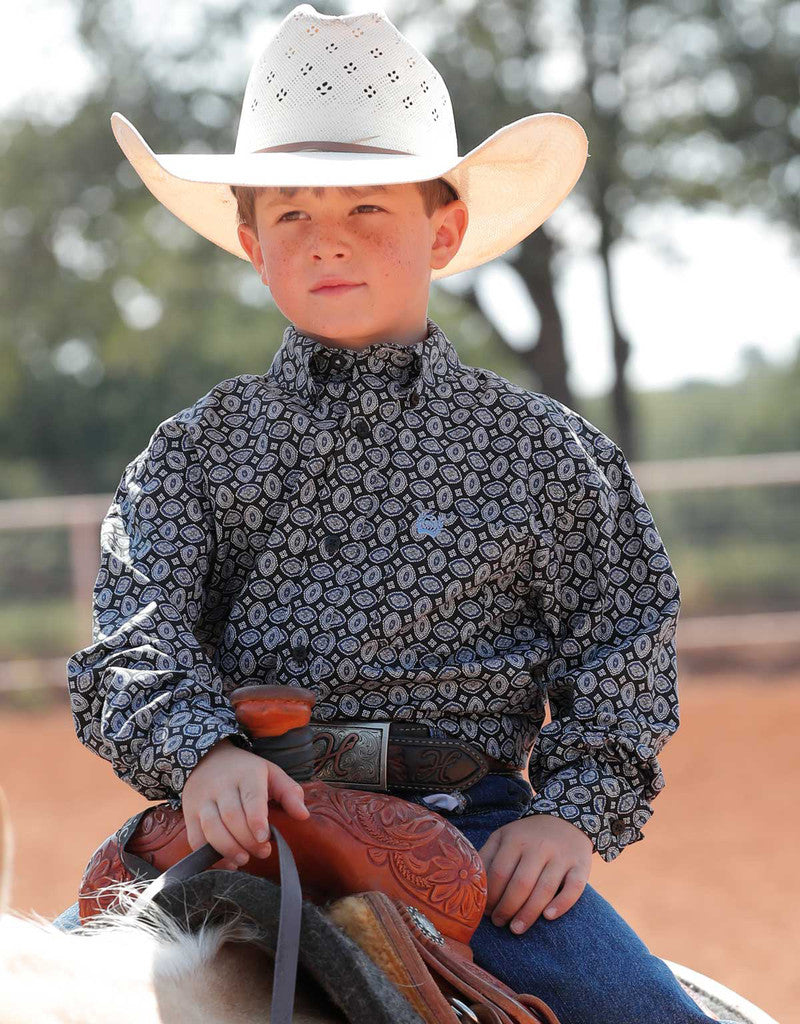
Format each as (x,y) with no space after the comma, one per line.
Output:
(339,966)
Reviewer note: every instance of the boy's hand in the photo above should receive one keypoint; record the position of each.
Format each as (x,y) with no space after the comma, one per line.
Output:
(224,802)
(526,861)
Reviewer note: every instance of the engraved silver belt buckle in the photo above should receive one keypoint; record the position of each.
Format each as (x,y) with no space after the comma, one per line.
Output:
(351,754)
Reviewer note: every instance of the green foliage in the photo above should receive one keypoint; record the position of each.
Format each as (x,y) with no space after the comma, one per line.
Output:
(760,412)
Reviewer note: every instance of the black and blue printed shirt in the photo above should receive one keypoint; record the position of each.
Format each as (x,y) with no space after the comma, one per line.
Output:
(414,540)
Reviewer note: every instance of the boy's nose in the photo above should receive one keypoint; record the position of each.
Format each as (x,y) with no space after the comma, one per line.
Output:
(329,244)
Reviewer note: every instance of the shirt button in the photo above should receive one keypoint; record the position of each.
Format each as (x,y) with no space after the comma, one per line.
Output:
(361,427)
(331,544)
(414,399)
(300,651)
(617,827)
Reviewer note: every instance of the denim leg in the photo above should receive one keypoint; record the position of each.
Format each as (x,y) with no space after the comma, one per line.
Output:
(588,965)
(68,919)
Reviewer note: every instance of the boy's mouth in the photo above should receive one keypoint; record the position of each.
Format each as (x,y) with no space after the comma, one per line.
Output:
(335,286)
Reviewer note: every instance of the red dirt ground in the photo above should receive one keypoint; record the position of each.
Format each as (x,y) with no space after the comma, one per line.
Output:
(713,886)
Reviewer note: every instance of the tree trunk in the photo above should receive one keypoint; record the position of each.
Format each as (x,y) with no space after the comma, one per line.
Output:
(624,419)
(546,358)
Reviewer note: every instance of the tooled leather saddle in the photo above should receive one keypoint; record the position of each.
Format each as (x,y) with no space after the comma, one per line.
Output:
(397,878)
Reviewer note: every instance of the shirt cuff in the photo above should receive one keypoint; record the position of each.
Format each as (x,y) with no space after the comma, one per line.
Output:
(602,806)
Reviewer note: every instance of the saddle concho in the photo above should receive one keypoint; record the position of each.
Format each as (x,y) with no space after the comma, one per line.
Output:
(352,754)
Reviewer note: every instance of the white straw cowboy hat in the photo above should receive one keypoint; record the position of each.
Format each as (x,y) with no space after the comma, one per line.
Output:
(349,101)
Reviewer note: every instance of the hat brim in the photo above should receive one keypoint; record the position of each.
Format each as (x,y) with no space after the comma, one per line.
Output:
(511,183)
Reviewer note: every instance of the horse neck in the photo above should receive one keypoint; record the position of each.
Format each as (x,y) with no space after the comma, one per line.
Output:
(52,977)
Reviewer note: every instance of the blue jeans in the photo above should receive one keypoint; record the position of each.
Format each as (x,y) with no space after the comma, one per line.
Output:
(588,965)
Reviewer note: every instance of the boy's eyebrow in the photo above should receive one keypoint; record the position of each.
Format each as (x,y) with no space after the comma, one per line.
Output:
(286,193)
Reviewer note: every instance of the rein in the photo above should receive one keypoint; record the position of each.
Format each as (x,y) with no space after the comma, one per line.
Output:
(291,904)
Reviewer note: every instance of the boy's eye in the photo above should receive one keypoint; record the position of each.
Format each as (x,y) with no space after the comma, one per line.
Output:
(291,213)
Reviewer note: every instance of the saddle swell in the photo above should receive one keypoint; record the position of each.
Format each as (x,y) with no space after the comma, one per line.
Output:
(353,841)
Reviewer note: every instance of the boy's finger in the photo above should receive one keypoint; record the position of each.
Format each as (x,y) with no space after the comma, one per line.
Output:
(574,884)
(287,792)
(528,911)
(194,833)
(255,804)
(217,834)
(499,873)
(517,890)
(489,849)
(232,814)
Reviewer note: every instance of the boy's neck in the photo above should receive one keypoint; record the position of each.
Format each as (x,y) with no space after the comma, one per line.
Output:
(407,336)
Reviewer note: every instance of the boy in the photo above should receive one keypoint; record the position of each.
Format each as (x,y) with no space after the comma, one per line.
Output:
(421,542)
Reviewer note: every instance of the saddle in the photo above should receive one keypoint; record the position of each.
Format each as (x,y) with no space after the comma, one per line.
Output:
(402,882)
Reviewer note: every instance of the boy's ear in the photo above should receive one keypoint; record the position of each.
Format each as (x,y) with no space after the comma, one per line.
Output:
(449,224)
(252,246)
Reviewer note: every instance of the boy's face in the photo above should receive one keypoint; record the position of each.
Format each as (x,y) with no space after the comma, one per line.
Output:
(377,237)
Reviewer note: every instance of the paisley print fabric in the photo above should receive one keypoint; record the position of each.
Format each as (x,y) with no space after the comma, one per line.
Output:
(413,539)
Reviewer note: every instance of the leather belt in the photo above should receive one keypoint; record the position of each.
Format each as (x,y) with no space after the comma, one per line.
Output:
(396,755)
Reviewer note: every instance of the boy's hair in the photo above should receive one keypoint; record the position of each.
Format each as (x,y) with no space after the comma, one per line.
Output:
(435,193)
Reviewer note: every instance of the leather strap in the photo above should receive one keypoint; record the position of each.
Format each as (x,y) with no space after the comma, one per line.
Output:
(288,946)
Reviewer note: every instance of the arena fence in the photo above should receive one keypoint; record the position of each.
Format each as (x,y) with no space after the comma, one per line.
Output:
(80,517)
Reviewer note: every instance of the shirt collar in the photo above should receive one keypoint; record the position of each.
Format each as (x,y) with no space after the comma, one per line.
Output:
(302,364)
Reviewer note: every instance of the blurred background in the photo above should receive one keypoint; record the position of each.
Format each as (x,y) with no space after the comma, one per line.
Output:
(661,301)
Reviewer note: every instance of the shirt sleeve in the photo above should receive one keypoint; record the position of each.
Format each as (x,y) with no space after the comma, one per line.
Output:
(610,600)
(145,694)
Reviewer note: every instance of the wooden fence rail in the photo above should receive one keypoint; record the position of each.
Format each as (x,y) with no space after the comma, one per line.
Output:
(81,515)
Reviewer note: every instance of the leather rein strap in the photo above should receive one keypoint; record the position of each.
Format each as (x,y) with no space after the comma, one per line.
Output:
(287,950)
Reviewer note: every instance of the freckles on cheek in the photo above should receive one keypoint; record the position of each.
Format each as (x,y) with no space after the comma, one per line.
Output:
(278,270)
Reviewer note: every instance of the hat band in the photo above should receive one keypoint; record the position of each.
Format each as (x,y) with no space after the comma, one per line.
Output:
(331,147)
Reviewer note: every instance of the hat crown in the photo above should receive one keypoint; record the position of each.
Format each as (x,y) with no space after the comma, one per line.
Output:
(349,80)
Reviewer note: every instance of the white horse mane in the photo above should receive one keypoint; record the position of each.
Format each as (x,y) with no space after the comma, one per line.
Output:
(143,968)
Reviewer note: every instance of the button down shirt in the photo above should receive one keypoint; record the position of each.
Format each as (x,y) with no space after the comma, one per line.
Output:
(414,540)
